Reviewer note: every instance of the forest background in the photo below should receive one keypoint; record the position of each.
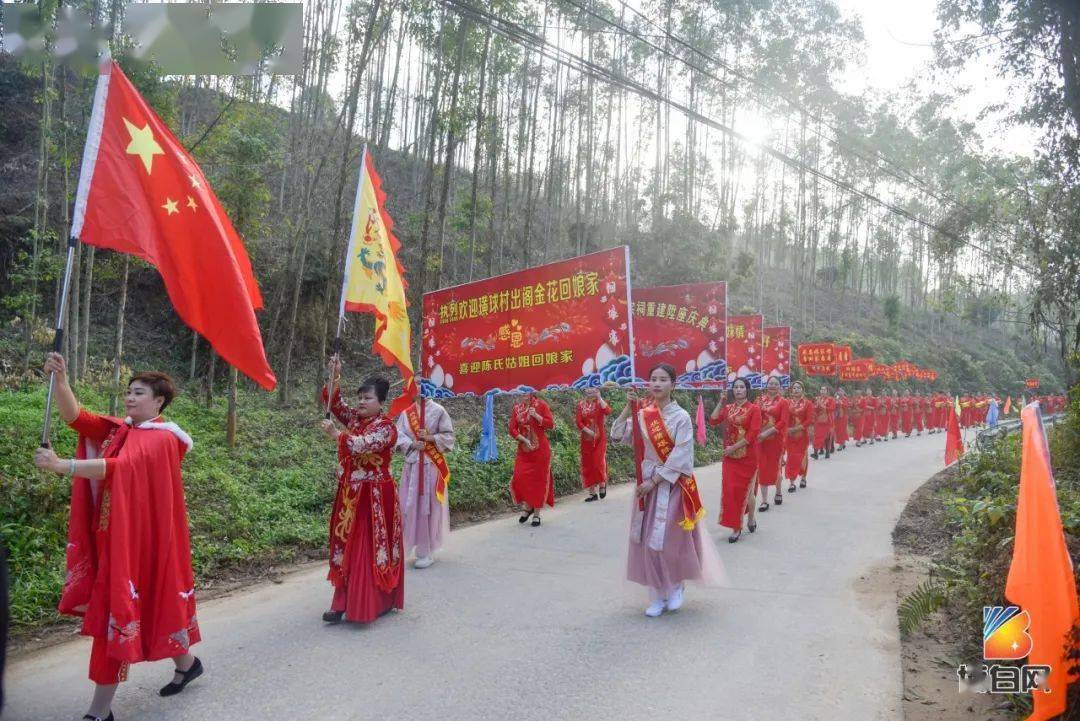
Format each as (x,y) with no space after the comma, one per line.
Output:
(708,135)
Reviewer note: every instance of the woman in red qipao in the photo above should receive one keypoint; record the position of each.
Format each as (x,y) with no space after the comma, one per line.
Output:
(881,419)
(129,549)
(904,405)
(843,407)
(775,415)
(858,406)
(532,484)
(740,464)
(800,426)
(824,410)
(894,413)
(367,550)
(870,412)
(590,417)
(918,411)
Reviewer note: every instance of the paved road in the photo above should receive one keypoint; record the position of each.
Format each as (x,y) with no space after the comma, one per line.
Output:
(521,623)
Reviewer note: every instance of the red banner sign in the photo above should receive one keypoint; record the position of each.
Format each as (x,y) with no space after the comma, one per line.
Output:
(858,369)
(564,324)
(817,355)
(684,325)
(744,348)
(1031,383)
(841,354)
(776,353)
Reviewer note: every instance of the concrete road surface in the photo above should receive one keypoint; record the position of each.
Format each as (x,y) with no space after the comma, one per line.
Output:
(520,623)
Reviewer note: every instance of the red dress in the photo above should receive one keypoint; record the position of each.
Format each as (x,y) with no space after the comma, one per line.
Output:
(894,414)
(775,413)
(840,426)
(367,551)
(129,549)
(857,408)
(905,415)
(824,408)
(800,421)
(881,419)
(590,414)
(532,483)
(918,409)
(870,408)
(740,468)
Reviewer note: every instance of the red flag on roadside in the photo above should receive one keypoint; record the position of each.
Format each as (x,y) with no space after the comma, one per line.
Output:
(141,193)
(1041,579)
(954,444)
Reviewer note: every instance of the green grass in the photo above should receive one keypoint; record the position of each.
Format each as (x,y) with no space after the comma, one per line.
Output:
(264,502)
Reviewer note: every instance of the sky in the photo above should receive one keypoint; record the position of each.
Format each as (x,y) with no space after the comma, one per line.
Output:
(899,35)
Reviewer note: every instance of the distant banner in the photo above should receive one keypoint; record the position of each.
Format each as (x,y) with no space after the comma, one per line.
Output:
(816,354)
(841,354)
(776,353)
(561,325)
(744,349)
(1031,383)
(684,325)
(858,369)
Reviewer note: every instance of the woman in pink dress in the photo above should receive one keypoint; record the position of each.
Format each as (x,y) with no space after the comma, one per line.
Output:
(667,544)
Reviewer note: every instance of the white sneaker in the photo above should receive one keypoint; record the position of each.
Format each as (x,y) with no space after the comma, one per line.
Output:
(424,562)
(655,609)
(675,602)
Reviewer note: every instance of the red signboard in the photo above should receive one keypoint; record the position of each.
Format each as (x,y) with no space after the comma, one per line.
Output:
(560,325)
(776,353)
(816,354)
(684,325)
(841,354)
(858,369)
(744,348)
(1032,383)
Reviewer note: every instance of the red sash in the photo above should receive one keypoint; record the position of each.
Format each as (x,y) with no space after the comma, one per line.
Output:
(662,442)
(431,451)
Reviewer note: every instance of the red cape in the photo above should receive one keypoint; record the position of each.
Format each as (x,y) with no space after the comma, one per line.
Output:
(129,552)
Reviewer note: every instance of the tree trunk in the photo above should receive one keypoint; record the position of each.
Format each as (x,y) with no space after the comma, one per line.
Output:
(118,346)
(230,421)
(476,152)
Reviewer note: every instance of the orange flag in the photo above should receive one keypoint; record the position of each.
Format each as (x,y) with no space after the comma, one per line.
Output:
(954,444)
(1008,405)
(1041,575)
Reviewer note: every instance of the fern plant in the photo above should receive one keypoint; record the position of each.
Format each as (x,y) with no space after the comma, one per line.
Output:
(917,606)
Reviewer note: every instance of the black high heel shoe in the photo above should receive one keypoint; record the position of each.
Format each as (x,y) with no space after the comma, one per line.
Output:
(99,718)
(186,677)
(332,616)
(603,491)
(525,516)
(751,526)
(734,537)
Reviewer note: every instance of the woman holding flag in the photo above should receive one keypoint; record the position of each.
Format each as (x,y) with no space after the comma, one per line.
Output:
(129,572)
(589,417)
(366,553)
(740,465)
(425,429)
(532,484)
(667,545)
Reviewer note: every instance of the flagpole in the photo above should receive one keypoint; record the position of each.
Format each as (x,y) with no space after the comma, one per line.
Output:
(86,174)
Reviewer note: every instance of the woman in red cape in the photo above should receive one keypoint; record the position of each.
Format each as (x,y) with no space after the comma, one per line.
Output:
(824,410)
(740,465)
(367,551)
(129,549)
(532,484)
(775,415)
(800,426)
(590,416)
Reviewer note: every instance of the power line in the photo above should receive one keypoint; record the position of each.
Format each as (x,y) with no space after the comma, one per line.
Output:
(519,34)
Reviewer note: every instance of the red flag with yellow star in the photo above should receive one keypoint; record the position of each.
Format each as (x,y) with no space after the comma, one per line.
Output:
(141,193)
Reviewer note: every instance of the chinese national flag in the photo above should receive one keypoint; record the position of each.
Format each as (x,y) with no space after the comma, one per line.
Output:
(1041,577)
(141,193)
(954,444)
